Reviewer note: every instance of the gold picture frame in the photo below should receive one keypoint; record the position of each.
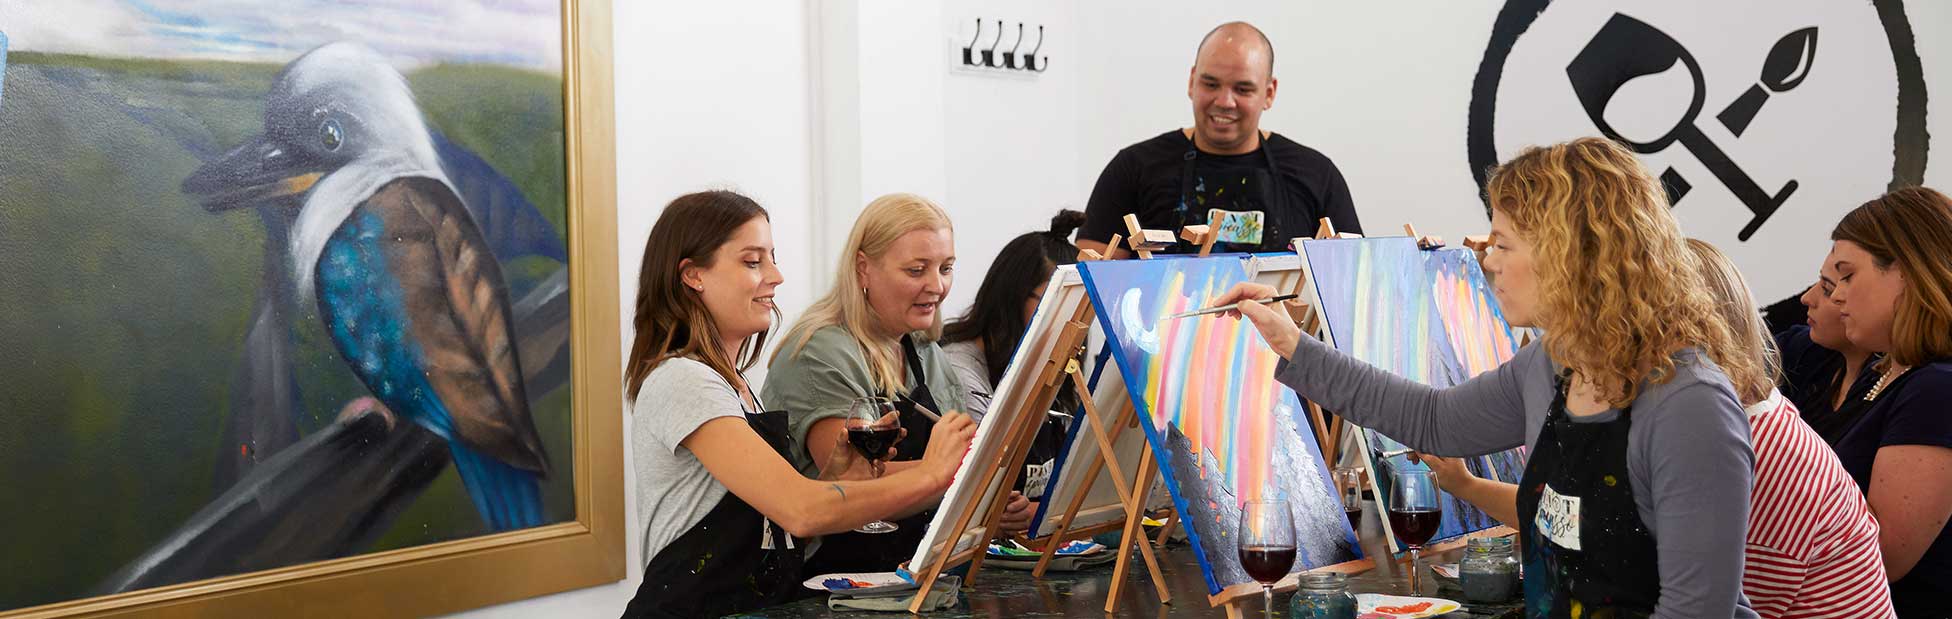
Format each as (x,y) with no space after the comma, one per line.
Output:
(492,569)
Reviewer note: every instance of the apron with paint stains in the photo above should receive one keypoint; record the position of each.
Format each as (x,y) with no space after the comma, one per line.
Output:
(734,560)
(1587,553)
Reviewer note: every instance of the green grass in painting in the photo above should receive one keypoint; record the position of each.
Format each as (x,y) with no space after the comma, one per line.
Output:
(125,304)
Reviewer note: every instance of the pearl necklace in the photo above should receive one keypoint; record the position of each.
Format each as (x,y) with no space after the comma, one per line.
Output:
(1883,381)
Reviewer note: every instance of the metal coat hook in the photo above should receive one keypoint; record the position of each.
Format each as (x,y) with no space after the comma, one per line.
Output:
(1030,59)
(969,51)
(989,55)
(1010,57)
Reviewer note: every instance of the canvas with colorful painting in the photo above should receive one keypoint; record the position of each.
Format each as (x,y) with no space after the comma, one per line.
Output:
(1378,302)
(1224,432)
(1480,338)
(286,281)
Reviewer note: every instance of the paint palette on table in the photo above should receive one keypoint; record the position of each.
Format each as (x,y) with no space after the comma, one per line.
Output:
(1224,432)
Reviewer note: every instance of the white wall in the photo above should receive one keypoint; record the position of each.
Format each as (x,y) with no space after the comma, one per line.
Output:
(813,108)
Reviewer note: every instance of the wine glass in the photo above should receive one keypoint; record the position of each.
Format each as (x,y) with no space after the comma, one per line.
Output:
(1348,480)
(1267,545)
(1413,513)
(872,427)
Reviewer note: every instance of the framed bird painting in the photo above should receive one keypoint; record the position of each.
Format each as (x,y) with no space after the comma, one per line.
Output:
(310,306)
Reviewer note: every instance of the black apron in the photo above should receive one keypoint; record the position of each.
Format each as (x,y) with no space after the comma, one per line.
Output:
(883,552)
(1598,555)
(732,561)
(1277,221)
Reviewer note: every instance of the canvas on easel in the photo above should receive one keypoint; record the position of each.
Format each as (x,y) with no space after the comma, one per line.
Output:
(1480,338)
(1024,391)
(1070,473)
(1223,430)
(1379,305)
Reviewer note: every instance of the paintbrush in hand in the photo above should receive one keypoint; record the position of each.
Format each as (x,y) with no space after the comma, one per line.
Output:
(1228,307)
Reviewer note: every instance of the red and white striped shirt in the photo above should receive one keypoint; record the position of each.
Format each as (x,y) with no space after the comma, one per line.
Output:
(1812,547)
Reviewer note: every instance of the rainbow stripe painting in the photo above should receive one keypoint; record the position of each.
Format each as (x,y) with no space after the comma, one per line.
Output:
(1381,308)
(1223,430)
(1480,338)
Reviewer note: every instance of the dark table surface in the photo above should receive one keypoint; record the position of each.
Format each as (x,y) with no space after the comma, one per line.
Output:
(1001,592)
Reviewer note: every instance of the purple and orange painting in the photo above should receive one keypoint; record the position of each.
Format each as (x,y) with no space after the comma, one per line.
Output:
(1222,429)
(1381,307)
(1480,338)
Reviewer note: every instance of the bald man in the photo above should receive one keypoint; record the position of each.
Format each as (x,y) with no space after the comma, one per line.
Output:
(1225,161)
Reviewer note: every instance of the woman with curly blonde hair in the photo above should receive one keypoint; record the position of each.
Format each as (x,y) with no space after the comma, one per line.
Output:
(1635,496)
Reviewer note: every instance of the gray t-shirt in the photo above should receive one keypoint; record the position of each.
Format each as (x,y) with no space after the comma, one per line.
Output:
(822,379)
(972,370)
(1688,452)
(674,489)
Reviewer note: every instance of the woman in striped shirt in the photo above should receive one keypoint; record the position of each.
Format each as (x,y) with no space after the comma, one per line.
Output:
(1812,544)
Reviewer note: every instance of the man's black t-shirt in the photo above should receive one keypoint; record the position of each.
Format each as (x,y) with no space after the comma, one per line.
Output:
(1151,179)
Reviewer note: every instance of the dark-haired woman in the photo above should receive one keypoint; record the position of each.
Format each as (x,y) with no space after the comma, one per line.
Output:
(1821,368)
(724,514)
(982,342)
(1894,292)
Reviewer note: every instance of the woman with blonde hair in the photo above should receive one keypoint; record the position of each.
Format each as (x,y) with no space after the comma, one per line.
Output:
(1894,291)
(1812,546)
(710,460)
(873,335)
(1634,500)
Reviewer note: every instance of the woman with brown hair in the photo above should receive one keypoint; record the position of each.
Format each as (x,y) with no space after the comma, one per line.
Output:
(1893,259)
(1822,369)
(1635,496)
(723,513)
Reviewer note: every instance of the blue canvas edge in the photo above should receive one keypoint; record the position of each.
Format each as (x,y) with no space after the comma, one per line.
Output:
(1161,452)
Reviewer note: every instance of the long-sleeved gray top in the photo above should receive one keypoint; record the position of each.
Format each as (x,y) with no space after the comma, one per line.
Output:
(1688,452)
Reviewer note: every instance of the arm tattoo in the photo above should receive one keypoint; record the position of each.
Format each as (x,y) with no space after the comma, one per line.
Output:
(837,488)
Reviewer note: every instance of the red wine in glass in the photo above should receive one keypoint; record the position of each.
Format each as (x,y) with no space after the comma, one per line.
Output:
(1414,526)
(1267,545)
(872,427)
(1267,564)
(1355,517)
(1413,513)
(872,442)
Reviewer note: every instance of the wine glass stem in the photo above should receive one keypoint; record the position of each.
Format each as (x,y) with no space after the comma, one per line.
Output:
(1267,598)
(1414,590)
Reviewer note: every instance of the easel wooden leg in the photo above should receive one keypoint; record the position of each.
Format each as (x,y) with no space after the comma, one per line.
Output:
(1105,455)
(1166,531)
(1134,535)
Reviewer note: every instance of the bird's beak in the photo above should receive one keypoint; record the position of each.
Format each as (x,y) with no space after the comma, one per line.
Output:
(258,172)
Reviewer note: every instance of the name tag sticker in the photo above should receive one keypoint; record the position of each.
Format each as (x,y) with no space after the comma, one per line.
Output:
(1558,518)
(1035,478)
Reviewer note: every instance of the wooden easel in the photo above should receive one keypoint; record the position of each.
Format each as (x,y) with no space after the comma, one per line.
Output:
(1029,417)
(1134,496)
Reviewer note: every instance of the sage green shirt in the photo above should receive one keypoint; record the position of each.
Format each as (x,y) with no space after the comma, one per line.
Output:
(822,380)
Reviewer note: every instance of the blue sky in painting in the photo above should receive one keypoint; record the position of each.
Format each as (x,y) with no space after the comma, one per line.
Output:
(523,33)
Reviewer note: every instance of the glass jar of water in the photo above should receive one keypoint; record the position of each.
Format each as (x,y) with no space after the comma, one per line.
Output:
(1488,572)
(1323,596)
